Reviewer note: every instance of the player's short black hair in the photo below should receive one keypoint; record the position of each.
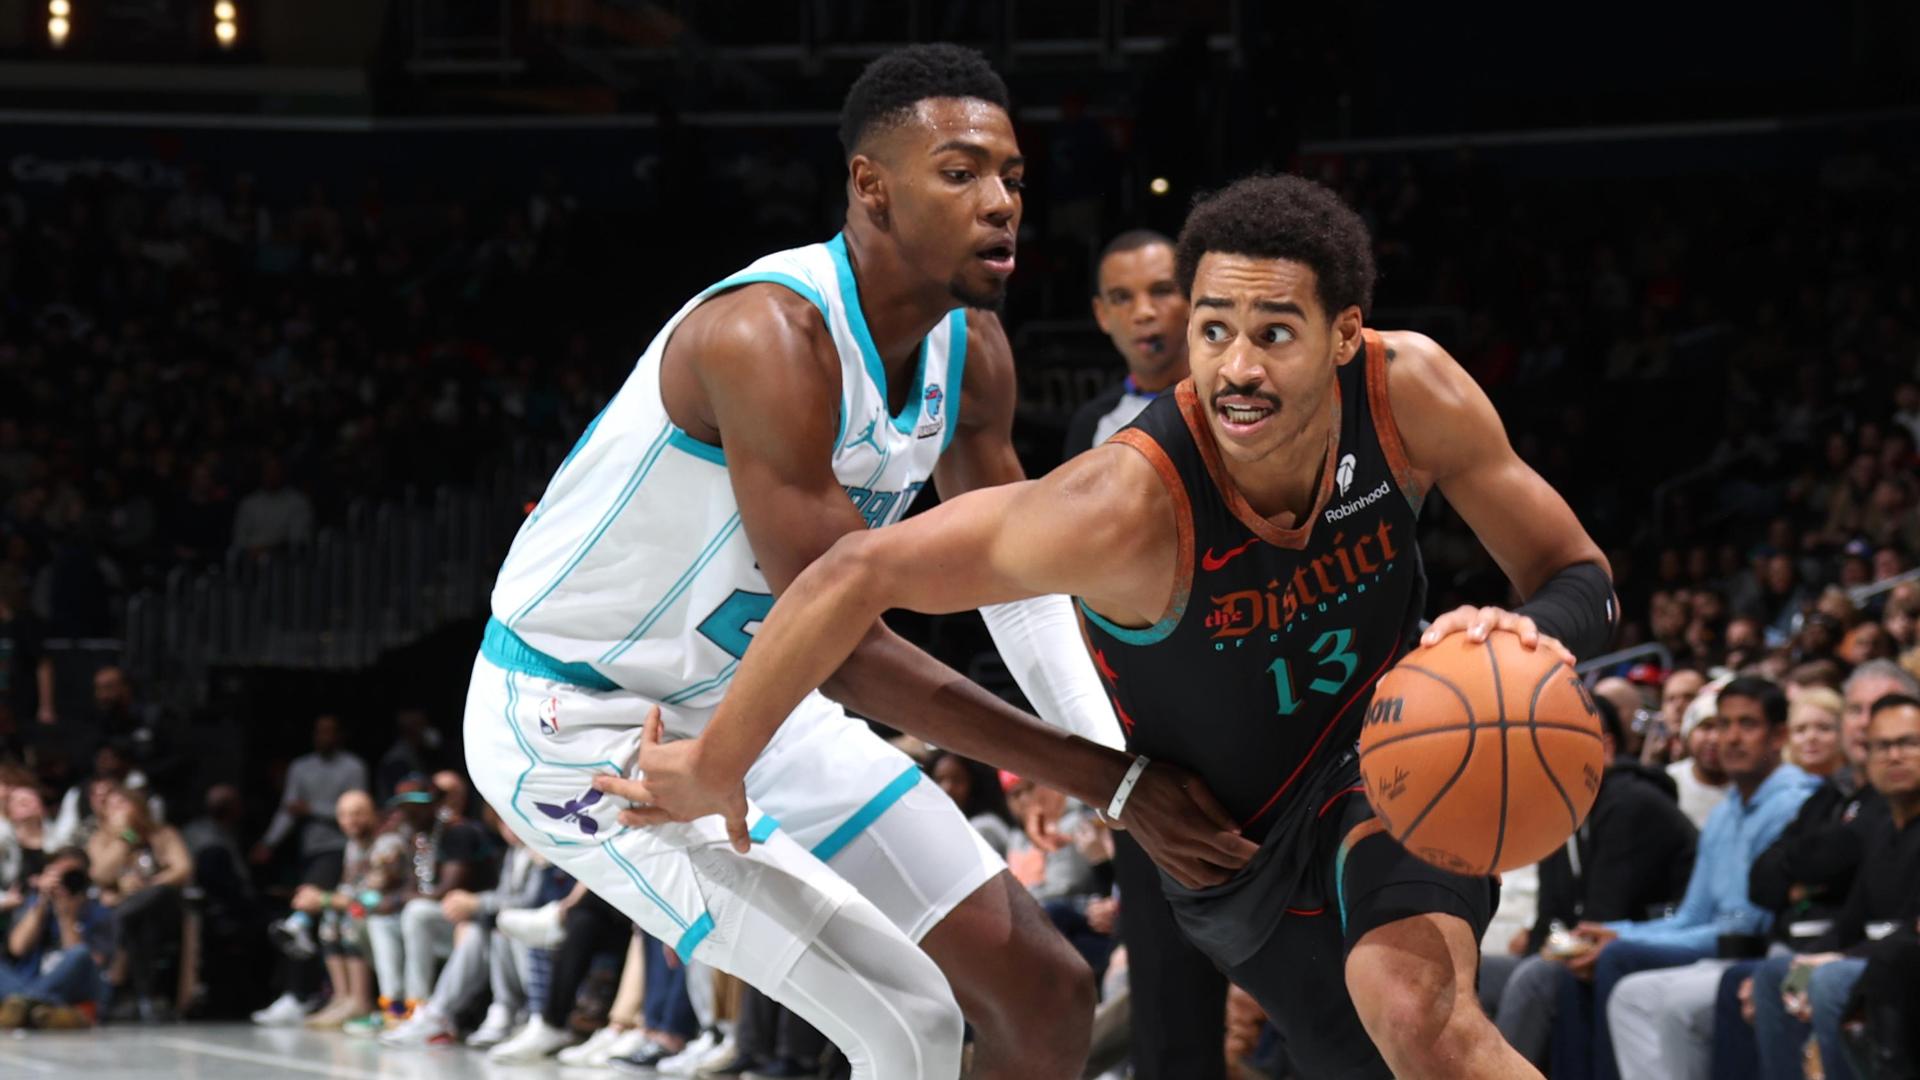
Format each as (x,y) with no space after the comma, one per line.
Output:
(1767,693)
(896,82)
(1284,217)
(1131,240)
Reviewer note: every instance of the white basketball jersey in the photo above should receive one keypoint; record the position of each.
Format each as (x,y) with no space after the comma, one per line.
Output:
(633,571)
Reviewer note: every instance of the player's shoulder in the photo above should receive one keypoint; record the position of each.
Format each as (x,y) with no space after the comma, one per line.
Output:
(1121,477)
(1421,375)
(761,329)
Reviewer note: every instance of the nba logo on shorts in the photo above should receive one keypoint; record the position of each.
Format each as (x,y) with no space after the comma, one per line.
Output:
(930,410)
(550,716)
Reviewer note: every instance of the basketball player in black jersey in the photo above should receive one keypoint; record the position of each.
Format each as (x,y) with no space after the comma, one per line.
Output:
(1246,560)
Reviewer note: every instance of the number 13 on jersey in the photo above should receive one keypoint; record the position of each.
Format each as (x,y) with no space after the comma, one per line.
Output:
(1329,651)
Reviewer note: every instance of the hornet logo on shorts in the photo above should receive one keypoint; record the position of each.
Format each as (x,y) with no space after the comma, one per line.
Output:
(930,409)
(550,716)
(574,811)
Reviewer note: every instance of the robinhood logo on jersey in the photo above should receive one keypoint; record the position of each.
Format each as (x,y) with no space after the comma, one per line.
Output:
(1348,509)
(1316,587)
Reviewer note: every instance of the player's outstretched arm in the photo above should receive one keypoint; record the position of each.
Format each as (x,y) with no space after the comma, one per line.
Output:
(1099,527)
(1454,440)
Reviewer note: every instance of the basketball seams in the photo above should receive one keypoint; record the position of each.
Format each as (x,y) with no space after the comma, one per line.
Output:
(1575,729)
(1533,730)
(1500,699)
(1472,729)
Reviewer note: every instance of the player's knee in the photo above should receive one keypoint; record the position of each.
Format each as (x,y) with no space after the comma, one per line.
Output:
(1051,1019)
(1422,1029)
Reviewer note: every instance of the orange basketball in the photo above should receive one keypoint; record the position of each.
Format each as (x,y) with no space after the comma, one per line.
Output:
(1480,758)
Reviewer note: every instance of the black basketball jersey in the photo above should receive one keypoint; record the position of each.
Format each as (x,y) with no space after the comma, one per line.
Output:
(1259,674)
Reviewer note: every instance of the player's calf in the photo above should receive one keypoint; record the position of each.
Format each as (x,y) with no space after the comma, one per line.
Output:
(1412,982)
(1028,994)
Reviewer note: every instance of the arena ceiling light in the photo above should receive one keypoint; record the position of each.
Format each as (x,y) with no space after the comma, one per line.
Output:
(59,28)
(226,23)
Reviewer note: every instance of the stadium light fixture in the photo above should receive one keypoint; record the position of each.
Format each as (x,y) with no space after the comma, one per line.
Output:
(58,26)
(1159,186)
(226,23)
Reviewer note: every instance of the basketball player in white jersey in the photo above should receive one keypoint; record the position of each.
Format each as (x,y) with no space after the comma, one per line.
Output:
(810,395)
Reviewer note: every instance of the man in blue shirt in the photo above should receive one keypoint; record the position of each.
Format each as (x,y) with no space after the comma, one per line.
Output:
(57,951)
(1767,794)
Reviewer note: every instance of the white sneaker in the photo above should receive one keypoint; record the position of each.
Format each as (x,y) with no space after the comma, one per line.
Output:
(595,1051)
(536,928)
(495,1029)
(721,1054)
(686,1061)
(630,1041)
(426,1028)
(534,1042)
(286,1011)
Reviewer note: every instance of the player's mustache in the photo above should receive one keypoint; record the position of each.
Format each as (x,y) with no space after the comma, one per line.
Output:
(1227,389)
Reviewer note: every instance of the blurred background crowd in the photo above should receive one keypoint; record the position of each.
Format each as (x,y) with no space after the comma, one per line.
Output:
(273,398)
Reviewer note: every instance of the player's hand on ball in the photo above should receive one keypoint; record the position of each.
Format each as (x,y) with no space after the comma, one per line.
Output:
(1478,622)
(676,784)
(1184,828)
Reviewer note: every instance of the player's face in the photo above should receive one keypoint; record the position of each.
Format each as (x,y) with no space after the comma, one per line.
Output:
(1263,351)
(1142,311)
(954,176)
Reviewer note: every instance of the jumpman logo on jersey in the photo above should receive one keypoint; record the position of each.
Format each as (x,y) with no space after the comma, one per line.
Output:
(867,436)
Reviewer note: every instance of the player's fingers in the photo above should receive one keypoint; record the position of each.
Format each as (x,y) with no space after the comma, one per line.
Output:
(737,832)
(622,787)
(1560,649)
(1449,623)
(1525,627)
(641,817)
(1230,849)
(1484,622)
(650,732)
(1204,801)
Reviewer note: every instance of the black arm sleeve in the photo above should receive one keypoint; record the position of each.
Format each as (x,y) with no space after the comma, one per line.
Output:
(1577,606)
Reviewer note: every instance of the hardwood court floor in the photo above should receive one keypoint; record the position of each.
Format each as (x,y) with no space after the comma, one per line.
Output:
(236,1051)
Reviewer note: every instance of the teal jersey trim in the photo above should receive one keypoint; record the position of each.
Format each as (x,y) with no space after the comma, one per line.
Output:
(956,371)
(678,589)
(867,815)
(763,829)
(813,296)
(626,495)
(680,440)
(1144,635)
(909,417)
(506,650)
(686,694)
(691,940)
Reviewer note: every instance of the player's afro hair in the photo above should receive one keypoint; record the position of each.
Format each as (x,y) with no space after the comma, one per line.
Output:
(893,84)
(1283,217)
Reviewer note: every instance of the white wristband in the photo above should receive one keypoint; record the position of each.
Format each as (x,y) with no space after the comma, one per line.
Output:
(1119,803)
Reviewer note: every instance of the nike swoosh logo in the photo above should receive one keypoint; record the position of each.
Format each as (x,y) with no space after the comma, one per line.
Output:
(1209,562)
